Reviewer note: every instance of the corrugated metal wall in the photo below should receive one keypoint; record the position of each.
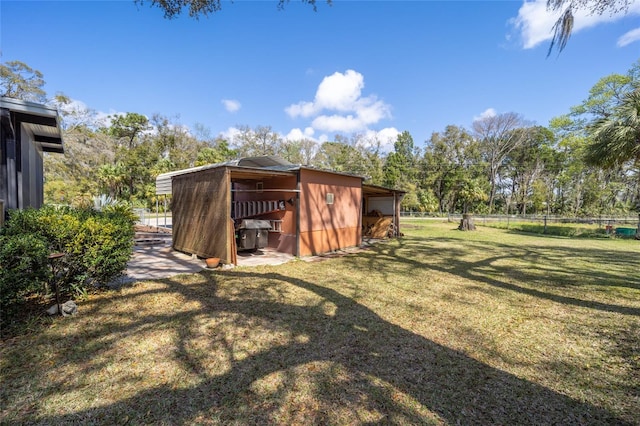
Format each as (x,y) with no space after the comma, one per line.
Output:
(326,227)
(201,207)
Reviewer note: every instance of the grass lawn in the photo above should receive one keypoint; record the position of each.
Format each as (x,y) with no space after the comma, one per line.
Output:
(582,230)
(439,327)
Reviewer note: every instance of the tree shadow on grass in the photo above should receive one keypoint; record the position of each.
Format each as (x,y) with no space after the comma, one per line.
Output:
(351,358)
(542,267)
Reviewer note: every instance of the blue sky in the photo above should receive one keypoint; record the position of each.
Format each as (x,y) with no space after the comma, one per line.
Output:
(373,68)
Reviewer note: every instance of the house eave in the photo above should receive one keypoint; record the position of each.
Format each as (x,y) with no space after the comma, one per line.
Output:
(42,121)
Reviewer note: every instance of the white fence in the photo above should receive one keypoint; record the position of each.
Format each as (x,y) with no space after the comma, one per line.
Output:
(602,221)
(146,217)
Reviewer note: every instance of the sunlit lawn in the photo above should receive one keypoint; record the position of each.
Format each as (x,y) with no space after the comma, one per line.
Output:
(485,327)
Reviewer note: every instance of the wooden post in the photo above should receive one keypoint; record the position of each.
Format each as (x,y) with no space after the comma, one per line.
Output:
(53,257)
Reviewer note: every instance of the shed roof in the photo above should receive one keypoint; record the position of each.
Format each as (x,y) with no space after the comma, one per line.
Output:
(163,181)
(256,167)
(249,167)
(377,190)
(42,121)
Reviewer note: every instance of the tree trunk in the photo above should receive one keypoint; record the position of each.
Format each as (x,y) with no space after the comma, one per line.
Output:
(466,223)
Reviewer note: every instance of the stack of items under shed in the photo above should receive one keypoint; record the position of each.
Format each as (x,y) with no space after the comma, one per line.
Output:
(376,225)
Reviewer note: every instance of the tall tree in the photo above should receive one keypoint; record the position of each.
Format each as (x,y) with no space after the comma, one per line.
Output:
(18,80)
(604,96)
(340,157)
(300,151)
(173,141)
(400,167)
(606,122)
(358,154)
(452,170)
(217,152)
(616,138)
(75,115)
(128,127)
(498,136)
(131,155)
(261,140)
(527,162)
(111,179)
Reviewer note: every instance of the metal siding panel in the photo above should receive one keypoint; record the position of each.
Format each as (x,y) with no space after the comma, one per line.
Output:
(201,214)
(326,227)
(11,194)
(384,205)
(38,188)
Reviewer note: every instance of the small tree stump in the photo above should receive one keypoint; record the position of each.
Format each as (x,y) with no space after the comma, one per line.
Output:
(466,223)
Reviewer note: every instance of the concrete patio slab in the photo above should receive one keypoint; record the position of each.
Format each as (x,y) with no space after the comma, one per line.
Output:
(154,258)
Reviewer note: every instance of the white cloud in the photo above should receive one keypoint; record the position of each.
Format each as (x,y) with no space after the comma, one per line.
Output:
(340,92)
(337,123)
(385,137)
(339,106)
(76,112)
(629,37)
(389,134)
(229,134)
(231,105)
(297,134)
(534,22)
(301,109)
(487,113)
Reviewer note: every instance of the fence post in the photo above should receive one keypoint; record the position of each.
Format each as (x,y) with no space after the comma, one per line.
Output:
(545,224)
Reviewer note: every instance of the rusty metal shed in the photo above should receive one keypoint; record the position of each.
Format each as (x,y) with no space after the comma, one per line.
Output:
(311,211)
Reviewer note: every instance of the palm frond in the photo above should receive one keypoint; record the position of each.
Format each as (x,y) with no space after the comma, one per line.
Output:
(616,139)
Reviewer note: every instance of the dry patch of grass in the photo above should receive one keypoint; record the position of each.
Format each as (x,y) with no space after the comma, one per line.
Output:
(440,327)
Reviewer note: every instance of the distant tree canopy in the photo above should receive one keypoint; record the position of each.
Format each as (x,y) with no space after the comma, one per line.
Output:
(20,81)
(586,162)
(610,119)
(616,137)
(197,8)
(563,27)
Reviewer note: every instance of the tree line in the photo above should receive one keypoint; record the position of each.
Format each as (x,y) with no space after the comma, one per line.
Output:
(586,162)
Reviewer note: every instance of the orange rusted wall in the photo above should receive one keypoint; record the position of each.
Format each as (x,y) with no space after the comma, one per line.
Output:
(317,242)
(201,214)
(326,227)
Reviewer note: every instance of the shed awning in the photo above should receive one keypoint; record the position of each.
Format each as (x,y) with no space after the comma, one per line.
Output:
(381,191)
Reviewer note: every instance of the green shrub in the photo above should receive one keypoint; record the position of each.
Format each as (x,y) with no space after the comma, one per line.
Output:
(97,245)
(24,267)
(99,251)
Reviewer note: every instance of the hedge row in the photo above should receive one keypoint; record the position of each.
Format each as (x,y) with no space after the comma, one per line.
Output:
(97,246)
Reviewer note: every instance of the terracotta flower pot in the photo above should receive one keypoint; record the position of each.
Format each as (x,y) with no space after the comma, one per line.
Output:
(212,262)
